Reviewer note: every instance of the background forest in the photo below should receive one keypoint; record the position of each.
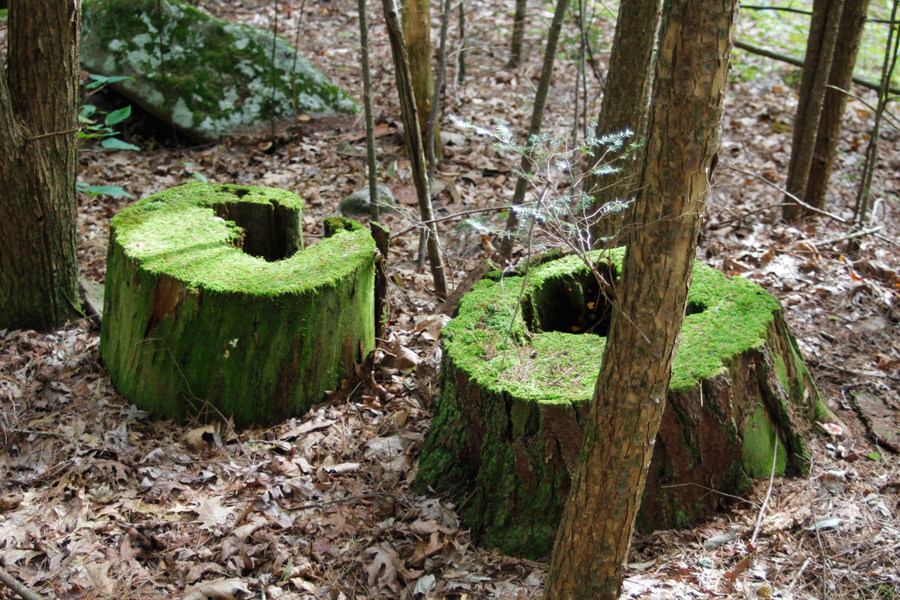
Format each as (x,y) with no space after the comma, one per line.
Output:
(99,500)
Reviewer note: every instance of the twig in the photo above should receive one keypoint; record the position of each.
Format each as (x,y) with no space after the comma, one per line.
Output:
(16,586)
(453,216)
(51,134)
(824,213)
(849,236)
(350,499)
(893,120)
(815,522)
(765,503)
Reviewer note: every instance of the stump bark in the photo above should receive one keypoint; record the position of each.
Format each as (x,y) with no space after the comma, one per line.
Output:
(212,306)
(507,431)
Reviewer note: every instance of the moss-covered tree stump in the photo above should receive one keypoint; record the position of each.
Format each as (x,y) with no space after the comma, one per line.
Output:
(213,305)
(507,432)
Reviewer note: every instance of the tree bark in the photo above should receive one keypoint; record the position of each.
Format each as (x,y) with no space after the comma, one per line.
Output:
(853,18)
(518,33)
(410,117)
(417,33)
(820,51)
(38,96)
(625,106)
(629,398)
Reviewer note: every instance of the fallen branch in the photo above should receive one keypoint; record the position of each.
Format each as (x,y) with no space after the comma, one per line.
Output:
(798,62)
(815,209)
(17,587)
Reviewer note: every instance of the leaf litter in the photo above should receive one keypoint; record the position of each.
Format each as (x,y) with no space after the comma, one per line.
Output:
(98,500)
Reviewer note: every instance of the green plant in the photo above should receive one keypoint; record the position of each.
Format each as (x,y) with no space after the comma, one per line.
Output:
(98,124)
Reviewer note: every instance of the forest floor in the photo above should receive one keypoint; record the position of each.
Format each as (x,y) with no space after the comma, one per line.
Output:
(98,500)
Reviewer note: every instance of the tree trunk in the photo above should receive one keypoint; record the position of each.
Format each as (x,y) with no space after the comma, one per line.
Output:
(534,127)
(820,52)
(518,33)
(417,33)
(625,106)
(411,120)
(592,543)
(853,18)
(38,267)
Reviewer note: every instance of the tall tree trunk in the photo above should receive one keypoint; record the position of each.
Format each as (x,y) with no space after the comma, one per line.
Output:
(625,106)
(592,541)
(518,34)
(417,33)
(38,95)
(414,145)
(853,18)
(534,127)
(820,52)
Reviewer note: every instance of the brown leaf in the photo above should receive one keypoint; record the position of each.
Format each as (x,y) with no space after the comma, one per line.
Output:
(220,589)
(201,438)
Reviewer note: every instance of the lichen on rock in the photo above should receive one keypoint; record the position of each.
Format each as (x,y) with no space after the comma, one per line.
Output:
(517,383)
(207,76)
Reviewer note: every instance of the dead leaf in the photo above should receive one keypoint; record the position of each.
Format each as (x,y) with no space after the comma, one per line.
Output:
(201,438)
(383,570)
(211,513)
(220,589)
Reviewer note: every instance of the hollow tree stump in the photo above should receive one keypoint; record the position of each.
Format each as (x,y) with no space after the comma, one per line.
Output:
(213,306)
(508,426)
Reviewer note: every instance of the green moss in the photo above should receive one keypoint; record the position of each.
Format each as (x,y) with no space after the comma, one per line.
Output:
(552,367)
(758,449)
(178,233)
(217,76)
(190,318)
(517,385)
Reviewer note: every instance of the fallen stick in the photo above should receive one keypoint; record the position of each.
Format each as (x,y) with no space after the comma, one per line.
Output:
(16,586)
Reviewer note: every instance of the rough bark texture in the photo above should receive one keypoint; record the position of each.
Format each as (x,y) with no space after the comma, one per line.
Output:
(601,510)
(413,131)
(417,33)
(200,316)
(506,436)
(38,268)
(518,34)
(820,53)
(853,19)
(625,106)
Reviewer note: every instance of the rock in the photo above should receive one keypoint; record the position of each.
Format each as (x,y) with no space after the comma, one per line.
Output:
(357,203)
(212,305)
(508,425)
(216,77)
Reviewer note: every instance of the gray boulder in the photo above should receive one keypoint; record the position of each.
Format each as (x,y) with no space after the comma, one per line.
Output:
(217,77)
(357,203)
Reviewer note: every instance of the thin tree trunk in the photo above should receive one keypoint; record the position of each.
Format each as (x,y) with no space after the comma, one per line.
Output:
(379,232)
(417,33)
(853,18)
(592,541)
(534,128)
(625,106)
(461,53)
(518,34)
(816,69)
(38,265)
(410,117)
(432,129)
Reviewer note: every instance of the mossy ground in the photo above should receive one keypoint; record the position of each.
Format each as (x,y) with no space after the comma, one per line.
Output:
(507,433)
(216,77)
(190,318)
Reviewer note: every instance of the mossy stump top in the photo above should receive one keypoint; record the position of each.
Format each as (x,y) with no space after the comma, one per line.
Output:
(213,306)
(517,383)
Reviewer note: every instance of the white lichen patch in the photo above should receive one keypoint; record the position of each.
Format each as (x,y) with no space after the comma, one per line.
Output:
(219,76)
